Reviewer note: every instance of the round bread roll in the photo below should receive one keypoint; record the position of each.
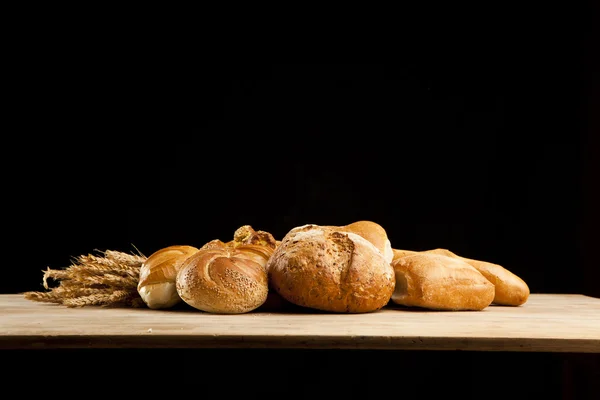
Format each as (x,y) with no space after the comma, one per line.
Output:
(225,279)
(158,272)
(439,282)
(327,269)
(374,233)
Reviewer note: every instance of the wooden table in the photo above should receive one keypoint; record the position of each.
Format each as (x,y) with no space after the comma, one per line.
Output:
(546,323)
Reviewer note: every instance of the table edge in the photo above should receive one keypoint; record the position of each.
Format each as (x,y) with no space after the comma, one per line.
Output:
(549,345)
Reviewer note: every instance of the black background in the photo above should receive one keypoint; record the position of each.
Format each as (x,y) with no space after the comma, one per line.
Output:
(484,143)
(480,136)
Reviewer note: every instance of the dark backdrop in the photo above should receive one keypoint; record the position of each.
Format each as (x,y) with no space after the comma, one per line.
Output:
(128,134)
(486,146)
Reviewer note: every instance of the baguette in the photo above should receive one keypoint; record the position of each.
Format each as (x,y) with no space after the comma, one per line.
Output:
(439,282)
(509,289)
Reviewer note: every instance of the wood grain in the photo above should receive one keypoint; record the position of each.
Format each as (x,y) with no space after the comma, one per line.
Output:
(546,323)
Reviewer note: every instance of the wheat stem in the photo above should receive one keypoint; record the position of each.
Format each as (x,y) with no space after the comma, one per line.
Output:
(108,278)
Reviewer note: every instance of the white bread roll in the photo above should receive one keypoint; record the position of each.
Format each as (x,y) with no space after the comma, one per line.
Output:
(225,279)
(439,282)
(327,269)
(156,284)
(374,233)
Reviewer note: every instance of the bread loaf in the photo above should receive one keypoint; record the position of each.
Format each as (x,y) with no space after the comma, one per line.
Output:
(324,268)
(226,279)
(439,282)
(510,289)
(373,232)
(157,277)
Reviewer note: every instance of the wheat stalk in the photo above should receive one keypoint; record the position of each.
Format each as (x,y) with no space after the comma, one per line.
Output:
(107,278)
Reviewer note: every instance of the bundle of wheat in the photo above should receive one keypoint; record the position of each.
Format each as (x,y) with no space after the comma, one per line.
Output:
(107,278)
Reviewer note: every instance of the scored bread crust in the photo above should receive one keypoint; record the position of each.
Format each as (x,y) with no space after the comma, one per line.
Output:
(323,268)
(439,282)
(225,279)
(373,232)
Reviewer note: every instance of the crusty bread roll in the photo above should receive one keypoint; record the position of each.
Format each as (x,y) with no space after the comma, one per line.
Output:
(330,270)
(245,234)
(510,289)
(225,279)
(374,233)
(438,282)
(156,284)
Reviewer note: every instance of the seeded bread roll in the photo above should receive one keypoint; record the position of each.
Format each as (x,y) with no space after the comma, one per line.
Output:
(225,279)
(327,269)
(438,282)
(156,284)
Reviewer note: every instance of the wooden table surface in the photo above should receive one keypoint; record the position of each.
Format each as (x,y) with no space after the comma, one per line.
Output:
(546,323)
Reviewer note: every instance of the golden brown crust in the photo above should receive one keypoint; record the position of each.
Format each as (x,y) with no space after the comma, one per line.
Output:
(510,289)
(216,244)
(402,253)
(247,235)
(326,269)
(373,232)
(158,273)
(225,279)
(438,282)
